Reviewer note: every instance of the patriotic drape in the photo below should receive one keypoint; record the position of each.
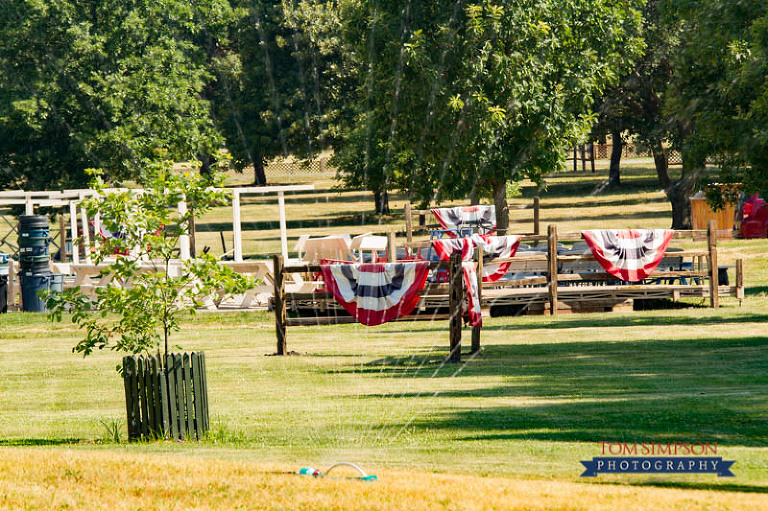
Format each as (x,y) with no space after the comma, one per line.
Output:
(375,293)
(496,247)
(493,247)
(473,296)
(629,254)
(466,216)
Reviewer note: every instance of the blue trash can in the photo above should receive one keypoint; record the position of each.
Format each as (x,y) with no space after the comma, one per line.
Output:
(32,284)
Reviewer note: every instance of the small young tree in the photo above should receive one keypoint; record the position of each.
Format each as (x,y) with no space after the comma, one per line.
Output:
(146,225)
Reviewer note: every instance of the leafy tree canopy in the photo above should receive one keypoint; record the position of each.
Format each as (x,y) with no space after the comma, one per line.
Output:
(101,83)
(458,97)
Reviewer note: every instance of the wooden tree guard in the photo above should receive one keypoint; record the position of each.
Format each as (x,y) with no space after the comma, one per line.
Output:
(454,307)
(714,276)
(166,397)
(552,273)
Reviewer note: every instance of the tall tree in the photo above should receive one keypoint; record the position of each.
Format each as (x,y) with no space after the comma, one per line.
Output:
(281,84)
(466,97)
(100,83)
(721,87)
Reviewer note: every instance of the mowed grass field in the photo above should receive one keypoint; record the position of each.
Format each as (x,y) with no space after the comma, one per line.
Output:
(506,429)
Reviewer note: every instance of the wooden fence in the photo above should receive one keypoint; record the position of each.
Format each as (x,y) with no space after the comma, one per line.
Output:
(166,397)
(552,280)
(416,219)
(452,294)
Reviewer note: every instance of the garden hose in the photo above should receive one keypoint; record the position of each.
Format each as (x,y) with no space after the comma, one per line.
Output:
(309,471)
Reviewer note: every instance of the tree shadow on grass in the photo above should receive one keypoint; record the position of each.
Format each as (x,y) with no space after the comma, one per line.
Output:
(711,390)
(755,290)
(29,442)
(599,321)
(684,485)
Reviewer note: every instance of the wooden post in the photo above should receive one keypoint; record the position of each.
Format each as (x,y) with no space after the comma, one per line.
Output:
(552,267)
(62,239)
(391,247)
(408,223)
(237,239)
(456,298)
(575,158)
(96,230)
(476,330)
(283,228)
(592,155)
(184,237)
(192,232)
(536,217)
(86,235)
(740,280)
(714,277)
(131,397)
(29,206)
(73,232)
(11,291)
(279,303)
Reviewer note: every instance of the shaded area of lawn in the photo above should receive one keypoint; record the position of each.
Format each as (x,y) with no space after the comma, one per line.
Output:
(657,390)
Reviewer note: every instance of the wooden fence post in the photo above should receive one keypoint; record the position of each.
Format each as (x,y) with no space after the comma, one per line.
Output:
(714,276)
(408,223)
(476,330)
(536,215)
(279,303)
(740,280)
(131,397)
(456,299)
(62,239)
(391,247)
(552,267)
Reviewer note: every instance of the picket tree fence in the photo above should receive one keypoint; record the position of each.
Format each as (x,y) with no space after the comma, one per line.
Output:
(166,397)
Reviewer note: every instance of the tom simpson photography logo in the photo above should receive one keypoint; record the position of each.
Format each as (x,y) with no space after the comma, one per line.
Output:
(657,458)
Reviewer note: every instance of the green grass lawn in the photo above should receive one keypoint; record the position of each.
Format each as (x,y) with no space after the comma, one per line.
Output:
(538,398)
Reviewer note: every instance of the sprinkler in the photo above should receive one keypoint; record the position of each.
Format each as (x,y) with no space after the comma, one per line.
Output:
(309,471)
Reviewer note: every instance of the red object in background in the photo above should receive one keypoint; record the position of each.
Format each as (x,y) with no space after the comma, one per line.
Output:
(752,216)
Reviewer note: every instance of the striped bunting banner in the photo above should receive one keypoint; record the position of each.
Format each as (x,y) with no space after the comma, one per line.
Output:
(629,254)
(375,293)
(466,216)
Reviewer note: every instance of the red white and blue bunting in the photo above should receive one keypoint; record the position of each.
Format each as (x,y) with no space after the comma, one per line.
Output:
(629,254)
(465,217)
(375,293)
(493,247)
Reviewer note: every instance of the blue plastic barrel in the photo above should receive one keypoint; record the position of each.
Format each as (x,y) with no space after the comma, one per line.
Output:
(32,284)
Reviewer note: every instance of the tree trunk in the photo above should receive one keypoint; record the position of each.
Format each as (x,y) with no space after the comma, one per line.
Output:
(381,198)
(206,160)
(614,172)
(661,161)
(259,177)
(678,192)
(502,209)
(474,198)
(679,195)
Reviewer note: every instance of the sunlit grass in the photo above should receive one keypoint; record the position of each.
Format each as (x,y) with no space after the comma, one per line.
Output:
(534,402)
(113,480)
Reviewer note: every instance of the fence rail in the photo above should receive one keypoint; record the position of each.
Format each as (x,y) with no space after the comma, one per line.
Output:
(166,397)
